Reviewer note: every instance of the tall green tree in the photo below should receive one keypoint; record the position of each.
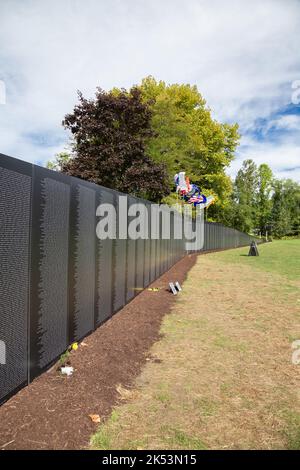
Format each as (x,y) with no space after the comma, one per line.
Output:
(187,138)
(292,190)
(264,202)
(245,196)
(286,208)
(281,217)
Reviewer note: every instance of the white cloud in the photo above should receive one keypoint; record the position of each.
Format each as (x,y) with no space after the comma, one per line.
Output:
(289,122)
(243,56)
(283,158)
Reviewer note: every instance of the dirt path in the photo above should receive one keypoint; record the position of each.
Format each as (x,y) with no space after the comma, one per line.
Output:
(223,376)
(52,412)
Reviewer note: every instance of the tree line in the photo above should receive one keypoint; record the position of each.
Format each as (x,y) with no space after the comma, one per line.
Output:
(135,141)
(264,204)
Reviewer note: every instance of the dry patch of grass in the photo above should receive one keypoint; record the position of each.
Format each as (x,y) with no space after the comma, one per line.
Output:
(221,376)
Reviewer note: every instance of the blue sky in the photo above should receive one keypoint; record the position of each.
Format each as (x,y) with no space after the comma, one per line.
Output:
(243,56)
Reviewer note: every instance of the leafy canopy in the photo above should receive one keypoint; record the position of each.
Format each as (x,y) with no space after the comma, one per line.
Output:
(109,134)
(263,203)
(187,138)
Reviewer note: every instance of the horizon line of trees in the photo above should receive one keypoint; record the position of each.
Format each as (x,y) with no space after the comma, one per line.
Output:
(135,141)
(262,204)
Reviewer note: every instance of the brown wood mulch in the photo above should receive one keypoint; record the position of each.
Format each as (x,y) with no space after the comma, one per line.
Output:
(53,411)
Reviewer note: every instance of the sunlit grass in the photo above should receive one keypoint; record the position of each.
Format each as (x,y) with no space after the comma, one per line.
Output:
(279,256)
(224,378)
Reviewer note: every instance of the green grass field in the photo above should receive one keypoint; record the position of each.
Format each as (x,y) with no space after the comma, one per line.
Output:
(281,256)
(223,376)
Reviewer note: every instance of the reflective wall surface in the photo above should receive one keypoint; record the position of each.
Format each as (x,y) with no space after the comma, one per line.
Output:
(58,280)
